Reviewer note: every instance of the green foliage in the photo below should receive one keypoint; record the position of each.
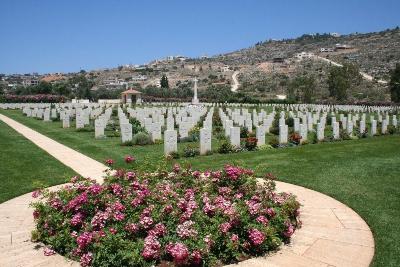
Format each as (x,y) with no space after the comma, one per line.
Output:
(340,79)
(225,147)
(302,89)
(394,84)
(164,81)
(190,151)
(273,141)
(141,138)
(136,126)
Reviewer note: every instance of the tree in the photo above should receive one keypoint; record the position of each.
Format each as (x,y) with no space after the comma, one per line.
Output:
(341,79)
(82,85)
(394,84)
(302,88)
(164,81)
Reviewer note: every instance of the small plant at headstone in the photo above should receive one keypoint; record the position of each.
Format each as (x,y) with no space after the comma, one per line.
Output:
(274,142)
(190,151)
(141,139)
(391,129)
(244,133)
(225,147)
(250,143)
(295,138)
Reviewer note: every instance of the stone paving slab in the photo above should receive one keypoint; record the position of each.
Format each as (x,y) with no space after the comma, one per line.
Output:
(332,233)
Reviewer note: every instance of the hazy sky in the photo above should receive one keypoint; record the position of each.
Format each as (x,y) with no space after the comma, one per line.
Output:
(61,36)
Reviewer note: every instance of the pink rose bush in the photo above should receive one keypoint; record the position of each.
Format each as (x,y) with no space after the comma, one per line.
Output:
(179,216)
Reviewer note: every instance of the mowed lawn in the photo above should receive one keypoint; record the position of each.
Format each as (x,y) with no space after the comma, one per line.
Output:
(23,165)
(364,174)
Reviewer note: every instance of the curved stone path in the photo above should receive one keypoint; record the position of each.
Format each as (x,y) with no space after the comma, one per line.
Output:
(332,234)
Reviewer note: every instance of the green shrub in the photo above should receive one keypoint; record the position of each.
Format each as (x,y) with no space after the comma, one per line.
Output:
(174,155)
(225,148)
(244,133)
(142,139)
(391,129)
(250,143)
(136,126)
(190,151)
(127,143)
(274,142)
(344,135)
(86,129)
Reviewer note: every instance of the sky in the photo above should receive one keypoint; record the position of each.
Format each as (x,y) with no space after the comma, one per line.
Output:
(48,36)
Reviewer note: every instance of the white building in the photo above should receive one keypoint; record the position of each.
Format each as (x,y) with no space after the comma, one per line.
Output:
(324,50)
(225,68)
(304,55)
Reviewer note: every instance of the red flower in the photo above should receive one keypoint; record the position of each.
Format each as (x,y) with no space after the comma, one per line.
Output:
(129,159)
(109,162)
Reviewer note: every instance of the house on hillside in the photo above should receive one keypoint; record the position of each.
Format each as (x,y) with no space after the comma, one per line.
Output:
(342,46)
(304,55)
(326,50)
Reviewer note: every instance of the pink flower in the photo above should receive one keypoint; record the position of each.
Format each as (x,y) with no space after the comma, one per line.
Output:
(130,175)
(168,209)
(84,239)
(256,237)
(36,193)
(131,228)
(179,252)
(186,230)
(95,189)
(196,174)
(289,229)
(234,238)
(109,162)
(48,251)
(158,230)
(129,159)
(208,240)
(119,216)
(225,227)
(151,249)
(116,189)
(99,219)
(176,168)
(55,203)
(36,214)
(271,212)
(77,219)
(196,257)
(86,259)
(113,231)
(262,219)
(146,222)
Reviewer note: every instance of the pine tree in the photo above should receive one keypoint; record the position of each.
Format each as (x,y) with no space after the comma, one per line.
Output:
(164,81)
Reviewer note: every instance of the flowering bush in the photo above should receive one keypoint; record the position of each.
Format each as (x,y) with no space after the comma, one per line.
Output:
(40,98)
(295,138)
(181,216)
(250,143)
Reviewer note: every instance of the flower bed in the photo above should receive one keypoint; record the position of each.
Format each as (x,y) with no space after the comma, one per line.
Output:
(179,217)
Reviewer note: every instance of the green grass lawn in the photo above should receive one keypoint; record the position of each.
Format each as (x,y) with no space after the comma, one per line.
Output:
(24,165)
(364,174)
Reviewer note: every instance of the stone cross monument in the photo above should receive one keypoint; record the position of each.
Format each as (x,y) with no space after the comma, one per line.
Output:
(195,100)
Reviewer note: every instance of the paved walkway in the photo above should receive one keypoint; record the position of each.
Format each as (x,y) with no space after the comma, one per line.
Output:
(332,234)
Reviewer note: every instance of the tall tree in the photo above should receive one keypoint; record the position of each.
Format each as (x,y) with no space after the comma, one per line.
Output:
(394,84)
(301,88)
(164,81)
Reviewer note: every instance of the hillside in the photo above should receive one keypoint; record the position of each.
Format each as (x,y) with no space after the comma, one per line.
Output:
(261,72)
